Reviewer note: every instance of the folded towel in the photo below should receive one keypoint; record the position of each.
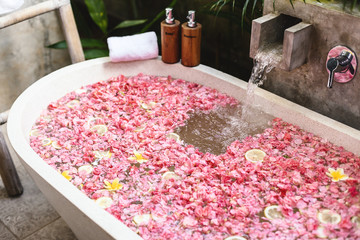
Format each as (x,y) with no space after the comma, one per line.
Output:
(136,47)
(7,6)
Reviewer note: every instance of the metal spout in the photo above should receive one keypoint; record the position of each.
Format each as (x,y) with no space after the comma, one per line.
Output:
(169,16)
(191,17)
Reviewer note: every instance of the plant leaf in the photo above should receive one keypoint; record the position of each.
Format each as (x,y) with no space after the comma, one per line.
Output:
(98,14)
(158,16)
(292,4)
(253,8)
(130,23)
(243,13)
(93,43)
(85,43)
(58,45)
(95,53)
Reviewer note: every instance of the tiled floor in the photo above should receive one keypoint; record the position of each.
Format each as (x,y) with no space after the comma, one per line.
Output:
(29,216)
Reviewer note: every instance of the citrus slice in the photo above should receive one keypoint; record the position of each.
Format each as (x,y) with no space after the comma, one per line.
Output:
(255,155)
(55,145)
(321,232)
(73,103)
(87,168)
(104,202)
(92,121)
(99,129)
(142,219)
(170,175)
(102,154)
(273,212)
(327,216)
(235,238)
(35,132)
(140,128)
(148,106)
(46,141)
(356,220)
(174,136)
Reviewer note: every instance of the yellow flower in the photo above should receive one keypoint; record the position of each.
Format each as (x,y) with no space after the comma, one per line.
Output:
(337,174)
(138,157)
(66,175)
(115,185)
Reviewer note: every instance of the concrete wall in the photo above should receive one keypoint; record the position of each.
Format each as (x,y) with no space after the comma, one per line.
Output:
(306,85)
(24,57)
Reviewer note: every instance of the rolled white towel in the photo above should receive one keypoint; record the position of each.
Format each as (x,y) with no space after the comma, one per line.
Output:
(7,6)
(135,47)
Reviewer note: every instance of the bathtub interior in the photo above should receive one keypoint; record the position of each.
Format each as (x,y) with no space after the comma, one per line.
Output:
(82,215)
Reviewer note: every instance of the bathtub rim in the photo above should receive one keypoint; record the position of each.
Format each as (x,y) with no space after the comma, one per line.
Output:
(83,203)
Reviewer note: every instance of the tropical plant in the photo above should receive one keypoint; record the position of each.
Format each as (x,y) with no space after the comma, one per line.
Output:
(237,11)
(95,47)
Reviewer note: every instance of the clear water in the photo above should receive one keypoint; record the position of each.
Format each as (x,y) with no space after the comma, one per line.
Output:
(213,132)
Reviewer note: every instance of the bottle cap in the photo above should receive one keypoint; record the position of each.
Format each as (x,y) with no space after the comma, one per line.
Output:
(191,16)
(169,16)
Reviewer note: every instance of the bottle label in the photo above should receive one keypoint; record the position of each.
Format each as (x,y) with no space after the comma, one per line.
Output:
(189,36)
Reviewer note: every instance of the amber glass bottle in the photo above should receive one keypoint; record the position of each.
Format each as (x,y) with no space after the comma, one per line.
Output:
(190,41)
(170,38)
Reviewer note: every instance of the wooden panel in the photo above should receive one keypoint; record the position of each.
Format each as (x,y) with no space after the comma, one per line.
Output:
(8,172)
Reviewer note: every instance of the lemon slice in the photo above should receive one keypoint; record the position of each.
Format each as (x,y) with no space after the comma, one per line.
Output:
(235,238)
(174,136)
(92,121)
(142,219)
(170,175)
(320,232)
(73,103)
(273,212)
(148,106)
(104,202)
(140,128)
(46,141)
(255,155)
(87,168)
(35,132)
(102,154)
(356,220)
(99,129)
(327,216)
(55,145)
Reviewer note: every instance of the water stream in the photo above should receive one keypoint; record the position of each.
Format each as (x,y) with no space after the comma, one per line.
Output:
(213,132)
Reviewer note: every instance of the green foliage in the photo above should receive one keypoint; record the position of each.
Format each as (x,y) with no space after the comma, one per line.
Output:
(158,16)
(96,46)
(130,23)
(98,13)
(230,9)
(351,3)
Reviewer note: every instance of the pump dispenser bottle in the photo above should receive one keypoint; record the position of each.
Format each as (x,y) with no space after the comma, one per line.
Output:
(190,41)
(170,38)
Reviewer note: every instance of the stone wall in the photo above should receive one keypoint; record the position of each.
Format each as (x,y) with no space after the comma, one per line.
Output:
(24,56)
(306,85)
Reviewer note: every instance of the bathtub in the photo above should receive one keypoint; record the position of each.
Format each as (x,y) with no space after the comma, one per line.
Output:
(84,217)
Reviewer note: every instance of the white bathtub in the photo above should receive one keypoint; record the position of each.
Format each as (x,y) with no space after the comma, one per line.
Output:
(84,217)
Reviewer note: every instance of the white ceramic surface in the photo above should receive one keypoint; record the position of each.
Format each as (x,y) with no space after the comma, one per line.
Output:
(83,216)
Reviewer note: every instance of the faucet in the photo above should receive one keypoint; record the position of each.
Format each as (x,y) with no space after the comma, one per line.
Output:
(341,63)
